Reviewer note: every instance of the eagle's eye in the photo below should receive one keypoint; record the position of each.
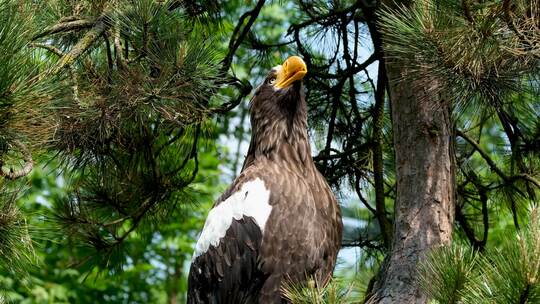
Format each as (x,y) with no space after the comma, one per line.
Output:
(272,80)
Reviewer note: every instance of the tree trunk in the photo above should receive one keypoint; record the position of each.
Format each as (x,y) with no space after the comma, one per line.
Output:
(174,282)
(424,206)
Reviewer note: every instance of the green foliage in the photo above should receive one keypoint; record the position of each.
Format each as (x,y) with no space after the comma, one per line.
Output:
(153,270)
(16,248)
(483,59)
(505,274)
(335,292)
(132,120)
(23,94)
(448,271)
(126,125)
(21,125)
(470,48)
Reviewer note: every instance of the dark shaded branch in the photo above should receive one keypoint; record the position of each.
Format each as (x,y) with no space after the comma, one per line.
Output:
(485,215)
(325,20)
(110,62)
(494,166)
(326,156)
(245,88)
(260,46)
(466,6)
(361,243)
(48,47)
(483,198)
(359,193)
(467,229)
(235,41)
(356,68)
(378,165)
(331,124)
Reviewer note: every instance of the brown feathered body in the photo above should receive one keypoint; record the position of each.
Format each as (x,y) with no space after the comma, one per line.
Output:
(295,235)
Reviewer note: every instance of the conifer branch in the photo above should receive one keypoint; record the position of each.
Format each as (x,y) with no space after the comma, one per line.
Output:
(467,10)
(494,166)
(82,46)
(118,50)
(238,36)
(26,168)
(51,48)
(67,26)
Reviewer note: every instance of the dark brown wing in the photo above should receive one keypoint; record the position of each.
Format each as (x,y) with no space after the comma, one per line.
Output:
(302,236)
(250,157)
(229,273)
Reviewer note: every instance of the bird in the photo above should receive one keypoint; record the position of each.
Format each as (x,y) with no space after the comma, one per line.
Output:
(278,222)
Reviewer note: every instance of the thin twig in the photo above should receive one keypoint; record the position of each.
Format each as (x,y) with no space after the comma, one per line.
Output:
(494,166)
(235,42)
(51,48)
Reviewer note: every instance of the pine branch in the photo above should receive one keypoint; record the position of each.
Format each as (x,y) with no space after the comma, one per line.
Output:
(121,62)
(51,48)
(82,46)
(239,36)
(67,26)
(467,10)
(26,168)
(16,249)
(323,155)
(378,168)
(494,166)
(245,88)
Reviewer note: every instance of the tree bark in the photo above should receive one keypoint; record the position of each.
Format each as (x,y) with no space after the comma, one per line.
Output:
(424,206)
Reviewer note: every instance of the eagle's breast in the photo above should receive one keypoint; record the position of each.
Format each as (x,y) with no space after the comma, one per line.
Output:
(252,200)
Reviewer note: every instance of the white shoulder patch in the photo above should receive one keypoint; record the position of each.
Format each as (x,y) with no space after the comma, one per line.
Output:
(252,200)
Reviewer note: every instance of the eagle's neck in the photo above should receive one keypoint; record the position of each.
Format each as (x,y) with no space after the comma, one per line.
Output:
(281,135)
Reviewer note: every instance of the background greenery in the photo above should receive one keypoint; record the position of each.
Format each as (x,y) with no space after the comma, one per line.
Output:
(134,115)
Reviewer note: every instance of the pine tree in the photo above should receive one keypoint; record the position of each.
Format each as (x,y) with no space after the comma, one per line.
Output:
(23,95)
(118,93)
(470,55)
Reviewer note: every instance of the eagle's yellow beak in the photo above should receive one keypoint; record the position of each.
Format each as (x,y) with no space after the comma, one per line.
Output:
(293,69)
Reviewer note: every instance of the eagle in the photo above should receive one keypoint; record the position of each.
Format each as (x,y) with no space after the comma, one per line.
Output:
(278,222)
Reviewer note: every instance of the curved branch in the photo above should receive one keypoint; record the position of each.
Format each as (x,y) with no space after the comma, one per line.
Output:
(25,170)
(65,27)
(48,47)
(494,166)
(245,89)
(235,42)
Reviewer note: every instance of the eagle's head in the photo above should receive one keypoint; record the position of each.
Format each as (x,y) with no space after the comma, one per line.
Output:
(282,87)
(278,109)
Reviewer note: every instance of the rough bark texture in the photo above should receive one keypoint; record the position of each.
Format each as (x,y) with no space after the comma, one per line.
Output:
(424,207)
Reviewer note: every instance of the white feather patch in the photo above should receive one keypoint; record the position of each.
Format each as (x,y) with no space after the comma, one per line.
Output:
(252,200)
